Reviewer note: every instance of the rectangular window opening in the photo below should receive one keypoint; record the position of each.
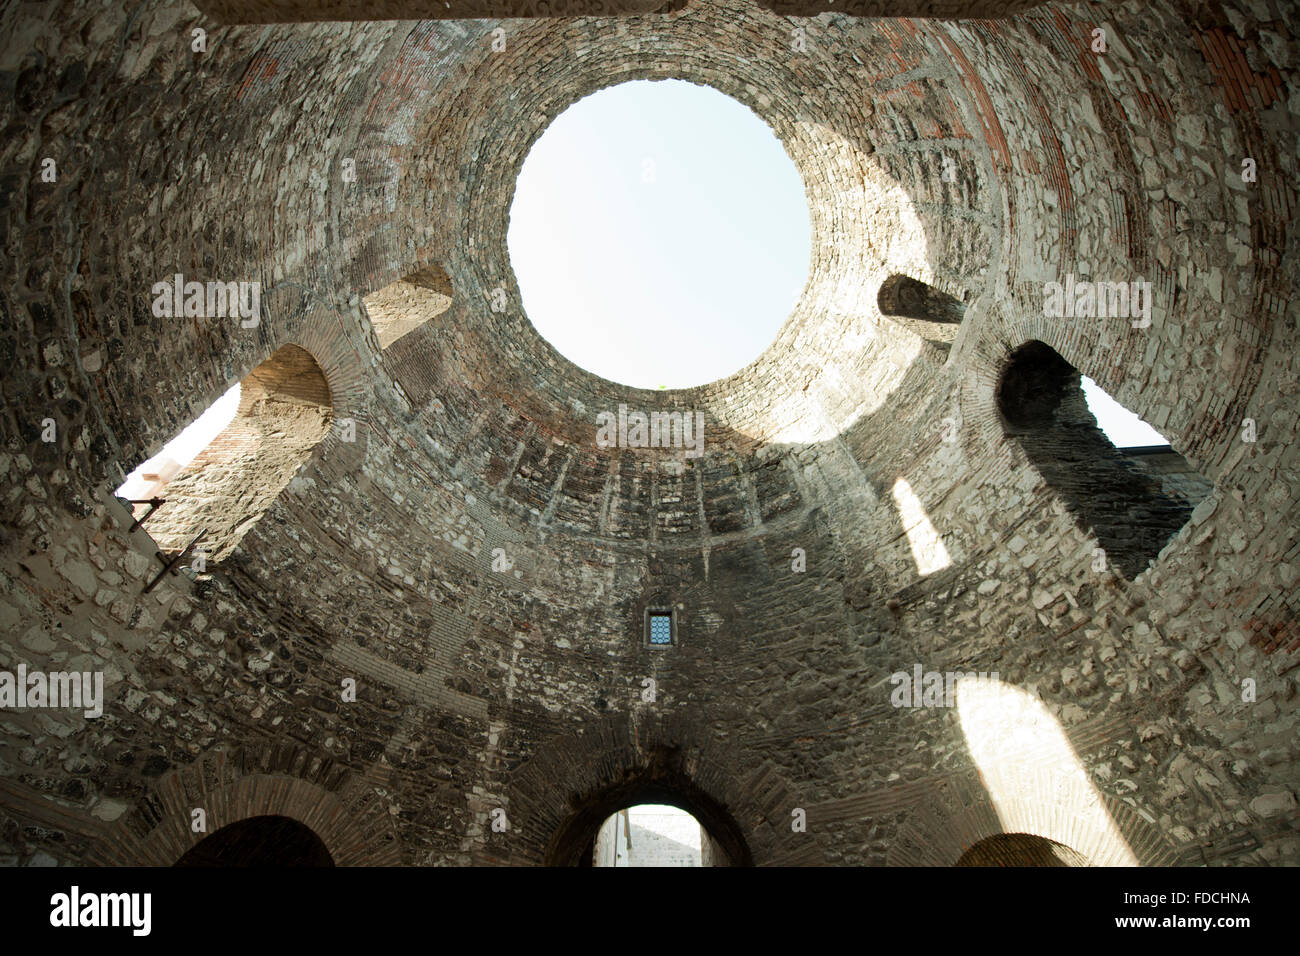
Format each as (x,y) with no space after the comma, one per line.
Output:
(659,626)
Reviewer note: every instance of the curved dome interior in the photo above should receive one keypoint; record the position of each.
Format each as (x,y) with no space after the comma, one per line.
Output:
(435,545)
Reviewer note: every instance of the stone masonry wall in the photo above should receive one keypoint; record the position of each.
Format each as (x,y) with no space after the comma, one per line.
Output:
(480,567)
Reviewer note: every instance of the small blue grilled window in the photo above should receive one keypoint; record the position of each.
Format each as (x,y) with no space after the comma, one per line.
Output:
(661,628)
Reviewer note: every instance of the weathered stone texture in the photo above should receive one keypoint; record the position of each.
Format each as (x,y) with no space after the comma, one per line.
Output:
(480,567)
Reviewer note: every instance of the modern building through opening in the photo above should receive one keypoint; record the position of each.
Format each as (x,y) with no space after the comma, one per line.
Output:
(652,834)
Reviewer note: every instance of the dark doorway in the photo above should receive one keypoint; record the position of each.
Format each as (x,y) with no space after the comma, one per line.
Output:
(1021,849)
(259,841)
(660,781)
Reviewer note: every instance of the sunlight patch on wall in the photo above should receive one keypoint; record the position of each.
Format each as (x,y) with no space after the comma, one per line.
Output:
(1033,777)
(927,546)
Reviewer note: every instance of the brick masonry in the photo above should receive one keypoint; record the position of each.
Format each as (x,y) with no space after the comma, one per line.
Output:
(481,567)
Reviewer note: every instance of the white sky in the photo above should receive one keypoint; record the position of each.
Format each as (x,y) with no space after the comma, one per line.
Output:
(677,281)
(1122,427)
(192,439)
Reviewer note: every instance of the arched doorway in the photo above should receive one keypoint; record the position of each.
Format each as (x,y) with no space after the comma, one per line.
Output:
(660,783)
(273,841)
(1021,849)
(651,834)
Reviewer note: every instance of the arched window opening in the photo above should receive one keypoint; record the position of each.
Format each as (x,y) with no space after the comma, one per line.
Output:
(151,478)
(1021,849)
(650,834)
(272,841)
(282,410)
(1132,499)
(929,312)
(403,306)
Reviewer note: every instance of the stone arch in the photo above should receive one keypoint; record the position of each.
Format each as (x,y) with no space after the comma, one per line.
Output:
(1130,511)
(921,308)
(402,313)
(573,783)
(958,814)
(268,840)
(403,306)
(1021,849)
(658,779)
(348,817)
